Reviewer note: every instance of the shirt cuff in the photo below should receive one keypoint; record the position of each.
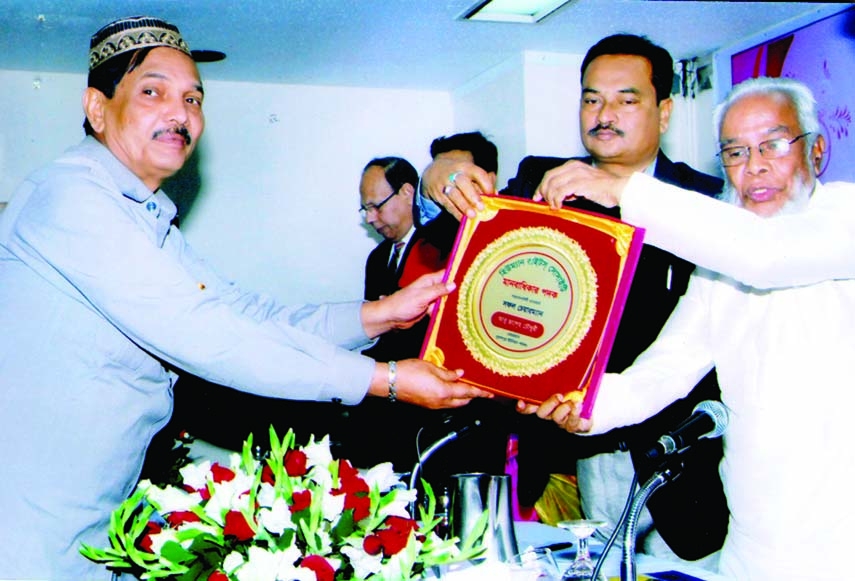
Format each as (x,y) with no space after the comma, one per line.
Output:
(428,209)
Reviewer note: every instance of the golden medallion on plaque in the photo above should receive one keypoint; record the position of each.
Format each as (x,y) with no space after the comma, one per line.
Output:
(527,301)
(540,294)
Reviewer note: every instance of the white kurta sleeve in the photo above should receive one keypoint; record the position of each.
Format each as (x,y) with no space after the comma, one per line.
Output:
(666,371)
(766,253)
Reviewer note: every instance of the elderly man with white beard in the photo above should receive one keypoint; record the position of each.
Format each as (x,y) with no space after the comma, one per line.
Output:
(771,307)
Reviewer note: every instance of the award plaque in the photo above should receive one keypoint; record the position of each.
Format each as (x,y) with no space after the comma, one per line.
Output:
(539,296)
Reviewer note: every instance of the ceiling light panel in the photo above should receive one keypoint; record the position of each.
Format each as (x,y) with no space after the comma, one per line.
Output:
(524,11)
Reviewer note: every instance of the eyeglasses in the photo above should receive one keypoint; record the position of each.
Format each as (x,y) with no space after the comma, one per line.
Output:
(771,149)
(363,210)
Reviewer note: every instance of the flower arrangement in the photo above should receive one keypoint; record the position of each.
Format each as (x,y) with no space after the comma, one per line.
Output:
(297,515)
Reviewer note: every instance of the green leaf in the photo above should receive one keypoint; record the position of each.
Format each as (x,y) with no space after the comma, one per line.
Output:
(175,553)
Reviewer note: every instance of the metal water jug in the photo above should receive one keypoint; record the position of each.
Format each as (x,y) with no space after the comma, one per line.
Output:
(472,494)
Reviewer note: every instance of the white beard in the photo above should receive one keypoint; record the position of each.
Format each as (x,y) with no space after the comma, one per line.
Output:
(797,203)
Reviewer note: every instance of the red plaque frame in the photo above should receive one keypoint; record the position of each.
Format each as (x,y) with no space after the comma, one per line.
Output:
(540,294)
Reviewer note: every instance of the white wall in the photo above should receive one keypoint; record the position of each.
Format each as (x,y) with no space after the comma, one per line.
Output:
(528,105)
(494,103)
(281,167)
(278,168)
(552,91)
(41,116)
(278,171)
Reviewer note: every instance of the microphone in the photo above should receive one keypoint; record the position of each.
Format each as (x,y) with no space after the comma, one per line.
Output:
(450,437)
(708,420)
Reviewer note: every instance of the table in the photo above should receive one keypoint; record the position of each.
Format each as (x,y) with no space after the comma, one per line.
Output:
(534,534)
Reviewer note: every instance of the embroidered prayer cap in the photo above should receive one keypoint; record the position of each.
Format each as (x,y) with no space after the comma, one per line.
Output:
(139,32)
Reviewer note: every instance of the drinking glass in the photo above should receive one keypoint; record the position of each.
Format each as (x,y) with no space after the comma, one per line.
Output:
(534,566)
(582,567)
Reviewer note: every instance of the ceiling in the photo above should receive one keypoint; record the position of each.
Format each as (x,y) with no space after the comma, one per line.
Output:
(415,44)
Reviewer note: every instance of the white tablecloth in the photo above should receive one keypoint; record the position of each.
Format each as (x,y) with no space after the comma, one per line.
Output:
(532,534)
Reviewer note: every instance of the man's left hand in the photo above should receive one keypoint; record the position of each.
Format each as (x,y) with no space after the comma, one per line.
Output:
(561,410)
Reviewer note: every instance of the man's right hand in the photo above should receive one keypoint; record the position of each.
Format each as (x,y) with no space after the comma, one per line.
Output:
(463,195)
(424,384)
(576,179)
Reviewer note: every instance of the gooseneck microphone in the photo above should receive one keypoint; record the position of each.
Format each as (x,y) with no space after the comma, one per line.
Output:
(450,437)
(708,420)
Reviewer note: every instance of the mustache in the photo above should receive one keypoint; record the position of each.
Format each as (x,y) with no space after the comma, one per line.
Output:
(594,131)
(180,130)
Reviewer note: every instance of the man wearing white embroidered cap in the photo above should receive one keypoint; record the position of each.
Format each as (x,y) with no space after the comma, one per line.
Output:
(103,300)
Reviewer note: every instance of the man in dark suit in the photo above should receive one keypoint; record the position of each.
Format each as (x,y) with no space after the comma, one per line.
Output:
(386,191)
(625,108)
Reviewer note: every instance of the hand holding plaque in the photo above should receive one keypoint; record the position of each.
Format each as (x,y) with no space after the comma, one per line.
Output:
(540,294)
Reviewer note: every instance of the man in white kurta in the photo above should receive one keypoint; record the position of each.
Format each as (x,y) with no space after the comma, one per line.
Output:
(772,307)
(782,353)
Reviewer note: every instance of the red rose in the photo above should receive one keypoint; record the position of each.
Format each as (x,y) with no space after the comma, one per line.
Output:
(301,500)
(349,480)
(267,475)
(400,523)
(218,576)
(151,528)
(361,505)
(346,470)
(237,526)
(221,473)
(371,545)
(323,570)
(397,534)
(179,517)
(295,462)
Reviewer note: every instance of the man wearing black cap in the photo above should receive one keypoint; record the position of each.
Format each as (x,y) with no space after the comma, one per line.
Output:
(103,300)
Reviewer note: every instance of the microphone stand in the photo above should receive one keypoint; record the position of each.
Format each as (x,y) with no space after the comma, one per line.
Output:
(423,457)
(666,473)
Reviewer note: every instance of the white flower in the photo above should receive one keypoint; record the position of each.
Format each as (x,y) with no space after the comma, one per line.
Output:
(232,561)
(399,506)
(196,475)
(227,496)
(332,506)
(277,518)
(266,495)
(382,476)
(363,563)
(318,453)
(264,565)
(172,499)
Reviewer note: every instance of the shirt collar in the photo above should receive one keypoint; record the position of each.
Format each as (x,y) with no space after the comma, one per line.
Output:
(407,236)
(650,170)
(128,183)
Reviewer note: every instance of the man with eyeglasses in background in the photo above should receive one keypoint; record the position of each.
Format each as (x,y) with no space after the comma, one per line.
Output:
(386,192)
